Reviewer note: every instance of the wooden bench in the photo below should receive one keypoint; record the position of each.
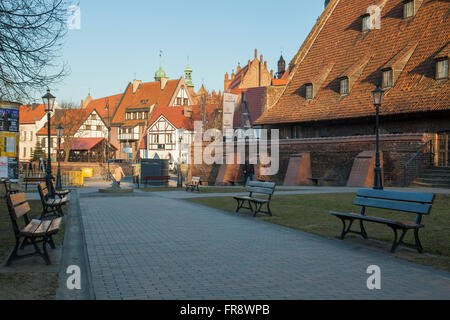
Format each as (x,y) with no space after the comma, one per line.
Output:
(418,203)
(59,193)
(316,181)
(156,179)
(33,232)
(256,187)
(194,184)
(49,204)
(33,180)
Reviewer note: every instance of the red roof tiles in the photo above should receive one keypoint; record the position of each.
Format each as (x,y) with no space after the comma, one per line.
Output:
(338,39)
(30,113)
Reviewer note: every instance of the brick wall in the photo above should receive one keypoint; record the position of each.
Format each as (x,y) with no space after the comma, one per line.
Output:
(334,157)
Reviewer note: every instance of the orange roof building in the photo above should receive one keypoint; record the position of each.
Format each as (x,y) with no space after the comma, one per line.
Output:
(328,91)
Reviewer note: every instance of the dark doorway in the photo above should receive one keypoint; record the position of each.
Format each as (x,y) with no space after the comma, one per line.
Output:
(443,149)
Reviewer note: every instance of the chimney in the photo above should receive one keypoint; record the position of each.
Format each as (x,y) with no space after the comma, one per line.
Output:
(232,76)
(271,73)
(256,53)
(265,64)
(261,58)
(163,82)
(227,76)
(238,67)
(136,84)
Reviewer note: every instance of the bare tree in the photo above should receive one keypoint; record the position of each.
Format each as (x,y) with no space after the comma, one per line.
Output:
(70,117)
(31,37)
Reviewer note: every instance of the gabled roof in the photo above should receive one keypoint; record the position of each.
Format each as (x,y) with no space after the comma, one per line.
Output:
(176,115)
(100,104)
(85,144)
(255,104)
(69,119)
(337,38)
(234,84)
(30,113)
(147,95)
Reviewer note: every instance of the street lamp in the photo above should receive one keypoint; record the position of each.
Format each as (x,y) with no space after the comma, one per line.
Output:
(49,101)
(109,137)
(59,132)
(377,95)
(180,133)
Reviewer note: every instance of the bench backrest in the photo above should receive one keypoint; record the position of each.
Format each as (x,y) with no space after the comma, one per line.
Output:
(43,191)
(413,202)
(266,188)
(19,205)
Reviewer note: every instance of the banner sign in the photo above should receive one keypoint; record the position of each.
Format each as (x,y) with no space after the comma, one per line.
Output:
(9,140)
(9,120)
(229,105)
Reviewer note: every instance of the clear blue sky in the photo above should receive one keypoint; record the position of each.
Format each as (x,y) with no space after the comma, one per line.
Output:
(120,38)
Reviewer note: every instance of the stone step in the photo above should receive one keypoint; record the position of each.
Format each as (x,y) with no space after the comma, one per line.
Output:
(430,185)
(432,180)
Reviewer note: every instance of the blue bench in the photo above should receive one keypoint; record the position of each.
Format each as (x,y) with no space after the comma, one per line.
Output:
(411,202)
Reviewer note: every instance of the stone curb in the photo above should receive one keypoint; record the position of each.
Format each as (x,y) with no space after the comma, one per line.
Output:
(75,253)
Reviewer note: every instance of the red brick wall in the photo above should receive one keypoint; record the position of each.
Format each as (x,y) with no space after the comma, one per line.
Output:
(334,157)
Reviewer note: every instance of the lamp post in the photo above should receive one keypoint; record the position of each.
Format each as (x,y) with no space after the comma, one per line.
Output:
(59,132)
(180,140)
(49,101)
(109,137)
(377,95)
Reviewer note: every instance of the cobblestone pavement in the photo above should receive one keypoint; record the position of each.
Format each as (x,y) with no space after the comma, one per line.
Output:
(152,248)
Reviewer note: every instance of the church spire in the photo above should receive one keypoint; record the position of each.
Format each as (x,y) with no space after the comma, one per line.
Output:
(160,73)
(188,75)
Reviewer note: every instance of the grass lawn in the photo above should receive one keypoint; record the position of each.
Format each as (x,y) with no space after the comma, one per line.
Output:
(310,213)
(25,286)
(202,189)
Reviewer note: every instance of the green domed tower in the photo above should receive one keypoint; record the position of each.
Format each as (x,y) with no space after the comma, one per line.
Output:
(188,75)
(160,73)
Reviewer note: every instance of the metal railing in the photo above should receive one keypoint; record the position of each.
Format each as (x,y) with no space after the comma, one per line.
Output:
(422,159)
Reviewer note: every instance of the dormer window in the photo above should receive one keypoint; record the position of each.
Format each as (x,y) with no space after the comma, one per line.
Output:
(387,79)
(309,91)
(408,9)
(366,22)
(442,69)
(343,88)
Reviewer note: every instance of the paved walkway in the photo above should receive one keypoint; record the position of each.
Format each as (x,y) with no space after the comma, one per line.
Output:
(146,247)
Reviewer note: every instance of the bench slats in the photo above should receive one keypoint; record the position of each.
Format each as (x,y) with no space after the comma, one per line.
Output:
(261,184)
(397,195)
(260,190)
(394,205)
(19,205)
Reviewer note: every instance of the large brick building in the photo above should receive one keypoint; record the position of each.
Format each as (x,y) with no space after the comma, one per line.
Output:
(325,111)
(340,63)
(402,46)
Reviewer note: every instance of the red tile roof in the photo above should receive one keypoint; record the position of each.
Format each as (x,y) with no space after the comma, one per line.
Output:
(69,119)
(234,84)
(85,144)
(176,115)
(30,113)
(255,103)
(146,95)
(337,38)
(100,104)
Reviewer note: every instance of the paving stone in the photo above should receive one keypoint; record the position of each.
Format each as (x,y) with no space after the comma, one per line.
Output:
(155,248)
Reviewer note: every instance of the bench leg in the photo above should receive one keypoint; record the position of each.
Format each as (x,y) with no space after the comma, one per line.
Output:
(45,254)
(363,230)
(13,253)
(418,244)
(396,243)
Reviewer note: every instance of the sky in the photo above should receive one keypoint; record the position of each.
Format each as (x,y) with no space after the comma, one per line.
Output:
(119,41)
